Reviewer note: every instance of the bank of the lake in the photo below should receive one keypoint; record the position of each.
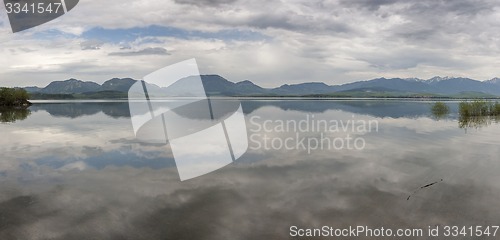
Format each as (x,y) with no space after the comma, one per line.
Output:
(14,97)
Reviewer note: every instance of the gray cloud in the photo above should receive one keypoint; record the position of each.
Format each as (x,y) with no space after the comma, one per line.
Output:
(91,45)
(333,41)
(465,8)
(436,22)
(368,4)
(412,58)
(142,52)
(294,22)
(206,3)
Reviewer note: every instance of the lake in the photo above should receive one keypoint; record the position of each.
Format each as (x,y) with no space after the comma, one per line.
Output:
(75,170)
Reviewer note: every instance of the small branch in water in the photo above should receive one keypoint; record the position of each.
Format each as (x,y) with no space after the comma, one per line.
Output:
(426,186)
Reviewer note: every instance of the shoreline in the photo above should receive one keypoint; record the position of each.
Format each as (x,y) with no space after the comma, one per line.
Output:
(288,98)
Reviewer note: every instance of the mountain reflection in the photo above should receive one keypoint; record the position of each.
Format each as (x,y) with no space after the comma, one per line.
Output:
(79,109)
(78,174)
(376,108)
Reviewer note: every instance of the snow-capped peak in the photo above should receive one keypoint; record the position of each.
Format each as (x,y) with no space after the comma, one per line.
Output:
(414,80)
(438,79)
(494,80)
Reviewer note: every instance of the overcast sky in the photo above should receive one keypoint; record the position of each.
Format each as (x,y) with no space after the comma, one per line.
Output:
(267,42)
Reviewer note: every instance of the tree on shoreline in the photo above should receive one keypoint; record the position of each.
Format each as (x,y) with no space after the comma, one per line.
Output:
(14,97)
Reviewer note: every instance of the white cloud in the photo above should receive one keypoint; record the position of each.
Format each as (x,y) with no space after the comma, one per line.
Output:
(333,41)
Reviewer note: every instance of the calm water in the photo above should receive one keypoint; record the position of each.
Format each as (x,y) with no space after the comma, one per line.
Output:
(76,171)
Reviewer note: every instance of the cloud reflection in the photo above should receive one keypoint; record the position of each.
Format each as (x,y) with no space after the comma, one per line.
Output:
(258,198)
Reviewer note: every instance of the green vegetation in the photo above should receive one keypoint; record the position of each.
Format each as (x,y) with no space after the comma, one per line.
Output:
(394,94)
(14,97)
(473,95)
(43,96)
(478,113)
(13,114)
(89,95)
(102,95)
(440,109)
(475,121)
(478,108)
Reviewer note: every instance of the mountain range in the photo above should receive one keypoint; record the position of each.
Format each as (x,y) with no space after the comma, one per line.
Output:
(216,85)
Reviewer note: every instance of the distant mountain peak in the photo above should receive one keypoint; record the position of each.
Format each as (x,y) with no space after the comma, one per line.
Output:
(217,85)
(414,79)
(248,84)
(212,76)
(118,84)
(439,78)
(71,80)
(380,78)
(494,80)
(447,78)
(70,86)
(245,82)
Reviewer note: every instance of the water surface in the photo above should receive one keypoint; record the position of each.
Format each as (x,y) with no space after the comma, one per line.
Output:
(74,170)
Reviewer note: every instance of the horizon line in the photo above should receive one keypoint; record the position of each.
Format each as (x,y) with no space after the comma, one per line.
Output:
(285,84)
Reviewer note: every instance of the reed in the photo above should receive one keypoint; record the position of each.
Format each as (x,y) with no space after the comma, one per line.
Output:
(479,108)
